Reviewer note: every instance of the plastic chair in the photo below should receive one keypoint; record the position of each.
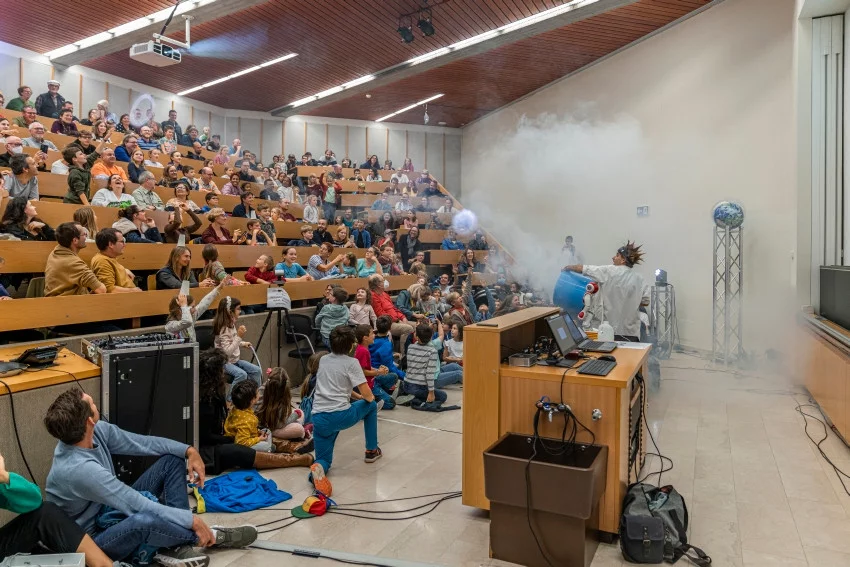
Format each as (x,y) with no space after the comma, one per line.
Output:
(35,288)
(298,330)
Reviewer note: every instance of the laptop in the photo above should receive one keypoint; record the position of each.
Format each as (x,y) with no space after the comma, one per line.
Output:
(580,337)
(565,342)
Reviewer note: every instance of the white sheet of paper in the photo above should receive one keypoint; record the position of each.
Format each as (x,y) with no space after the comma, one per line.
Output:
(184,288)
(181,241)
(277,298)
(636,346)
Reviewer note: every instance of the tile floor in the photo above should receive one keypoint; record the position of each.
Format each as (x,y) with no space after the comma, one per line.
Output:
(758,492)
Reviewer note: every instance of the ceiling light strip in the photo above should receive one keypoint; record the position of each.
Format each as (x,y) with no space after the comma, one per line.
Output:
(460,45)
(411,107)
(237,74)
(129,27)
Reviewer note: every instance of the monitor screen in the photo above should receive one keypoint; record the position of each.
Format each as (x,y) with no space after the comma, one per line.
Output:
(561,334)
(575,329)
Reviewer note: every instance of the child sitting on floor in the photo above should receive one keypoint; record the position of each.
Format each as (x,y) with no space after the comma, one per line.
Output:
(380,380)
(338,375)
(423,366)
(381,350)
(334,314)
(308,388)
(276,414)
(242,424)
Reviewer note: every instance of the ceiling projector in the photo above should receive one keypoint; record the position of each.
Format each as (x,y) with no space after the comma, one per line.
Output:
(155,53)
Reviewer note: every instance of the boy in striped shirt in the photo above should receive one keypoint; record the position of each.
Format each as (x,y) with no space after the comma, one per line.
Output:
(423,365)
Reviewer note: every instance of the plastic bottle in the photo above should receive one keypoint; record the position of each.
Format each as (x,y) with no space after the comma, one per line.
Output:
(606,332)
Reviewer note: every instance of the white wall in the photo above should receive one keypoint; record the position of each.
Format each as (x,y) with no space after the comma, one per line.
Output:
(259,132)
(703,112)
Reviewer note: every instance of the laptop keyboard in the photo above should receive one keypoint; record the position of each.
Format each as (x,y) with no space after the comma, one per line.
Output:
(594,345)
(597,367)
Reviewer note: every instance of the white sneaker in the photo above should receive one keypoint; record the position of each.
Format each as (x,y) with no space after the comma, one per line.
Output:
(396,390)
(380,405)
(182,556)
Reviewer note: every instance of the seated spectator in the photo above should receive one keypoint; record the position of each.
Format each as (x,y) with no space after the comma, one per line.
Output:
(390,265)
(285,190)
(136,166)
(123,125)
(214,142)
(423,206)
(176,159)
(144,195)
(468,263)
(27,117)
(254,235)
(410,189)
(264,215)
(408,245)
(311,210)
(356,176)
(85,217)
(448,207)
(93,116)
(245,209)
(197,151)
(168,142)
(175,227)
(360,236)
(223,156)
(171,176)
(60,166)
(136,227)
(181,199)
(127,147)
(435,223)
(213,269)
(343,239)
(382,204)
(65,125)
(409,220)
(292,270)
(206,183)
(189,177)
(178,270)
(374,175)
(38,524)
(393,188)
(153,159)
(105,114)
(232,187)
(348,218)
(320,266)
(66,273)
(404,204)
(369,265)
(20,219)
(242,423)
(190,136)
(450,242)
(99,130)
(14,147)
(117,279)
(317,187)
(36,139)
(306,237)
(333,315)
(216,232)
(105,167)
(262,272)
(113,194)
(389,238)
(245,172)
(23,180)
(479,241)
(85,142)
(371,163)
(79,173)
(383,305)
(423,366)
(382,225)
(348,268)
(82,483)
(433,190)
(322,234)
(23,99)
(6,130)
(418,267)
(400,176)
(211,200)
(146,140)
(361,312)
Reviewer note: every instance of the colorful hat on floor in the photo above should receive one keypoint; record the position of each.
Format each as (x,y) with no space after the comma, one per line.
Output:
(315,505)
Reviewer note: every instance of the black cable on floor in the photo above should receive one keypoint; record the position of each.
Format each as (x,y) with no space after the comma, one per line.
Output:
(658,454)
(840,474)
(17,435)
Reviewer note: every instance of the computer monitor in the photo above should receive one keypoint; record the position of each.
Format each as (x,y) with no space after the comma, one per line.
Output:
(578,334)
(561,333)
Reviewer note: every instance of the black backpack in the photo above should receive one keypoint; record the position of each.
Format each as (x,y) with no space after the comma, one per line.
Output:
(654,526)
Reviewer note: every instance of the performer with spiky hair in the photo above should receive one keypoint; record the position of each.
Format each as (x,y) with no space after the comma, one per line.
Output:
(623,290)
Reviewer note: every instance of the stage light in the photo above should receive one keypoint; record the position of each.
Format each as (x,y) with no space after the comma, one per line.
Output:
(424,24)
(406,33)
(660,277)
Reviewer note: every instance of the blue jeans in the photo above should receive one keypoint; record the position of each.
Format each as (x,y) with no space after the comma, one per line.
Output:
(382,387)
(451,373)
(166,479)
(326,428)
(242,370)
(329,210)
(421,392)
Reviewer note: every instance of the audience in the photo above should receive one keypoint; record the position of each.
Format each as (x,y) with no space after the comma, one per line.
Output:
(228,338)
(136,227)
(334,314)
(382,383)
(65,125)
(80,173)
(450,242)
(320,266)
(66,273)
(23,99)
(369,264)
(106,167)
(290,267)
(242,423)
(20,219)
(117,279)
(178,270)
(50,103)
(245,208)
(23,180)
(85,217)
(423,364)
(113,194)
(216,232)
(183,314)
(409,245)
(361,311)
(175,227)
(181,199)
(128,145)
(262,272)
(383,305)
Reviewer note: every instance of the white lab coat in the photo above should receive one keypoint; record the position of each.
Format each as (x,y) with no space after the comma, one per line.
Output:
(622,290)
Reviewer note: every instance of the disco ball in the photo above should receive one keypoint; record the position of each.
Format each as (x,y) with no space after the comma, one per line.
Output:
(728,214)
(465,222)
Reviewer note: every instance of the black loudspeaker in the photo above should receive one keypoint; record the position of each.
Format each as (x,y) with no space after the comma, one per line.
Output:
(150,390)
(835,294)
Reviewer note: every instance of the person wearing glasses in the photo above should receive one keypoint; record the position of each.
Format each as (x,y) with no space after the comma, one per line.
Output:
(27,117)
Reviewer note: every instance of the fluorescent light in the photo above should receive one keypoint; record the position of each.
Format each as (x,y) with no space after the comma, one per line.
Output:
(412,106)
(129,27)
(237,74)
(519,24)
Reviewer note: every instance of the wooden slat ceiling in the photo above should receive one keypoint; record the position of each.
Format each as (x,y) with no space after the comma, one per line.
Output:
(341,40)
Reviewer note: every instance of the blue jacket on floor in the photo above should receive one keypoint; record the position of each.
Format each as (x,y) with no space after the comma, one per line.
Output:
(382,354)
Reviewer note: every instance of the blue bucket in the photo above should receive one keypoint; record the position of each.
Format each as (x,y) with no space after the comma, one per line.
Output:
(569,291)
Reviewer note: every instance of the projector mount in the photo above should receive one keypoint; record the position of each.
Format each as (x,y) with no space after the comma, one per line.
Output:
(160,37)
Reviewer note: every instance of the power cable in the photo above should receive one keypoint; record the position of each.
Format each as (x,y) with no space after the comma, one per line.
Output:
(840,474)
(17,435)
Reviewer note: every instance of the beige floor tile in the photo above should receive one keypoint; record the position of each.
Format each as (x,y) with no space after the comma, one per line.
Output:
(826,558)
(766,520)
(757,559)
(807,484)
(820,525)
(786,547)
(718,538)
(758,484)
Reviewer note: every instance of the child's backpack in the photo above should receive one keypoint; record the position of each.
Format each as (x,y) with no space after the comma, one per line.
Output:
(654,526)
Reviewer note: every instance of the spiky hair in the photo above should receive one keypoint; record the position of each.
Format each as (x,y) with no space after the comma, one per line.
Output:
(632,253)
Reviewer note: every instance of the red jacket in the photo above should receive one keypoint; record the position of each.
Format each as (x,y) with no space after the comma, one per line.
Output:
(383,305)
(254,274)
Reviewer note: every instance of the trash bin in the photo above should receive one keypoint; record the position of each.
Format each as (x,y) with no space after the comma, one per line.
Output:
(565,493)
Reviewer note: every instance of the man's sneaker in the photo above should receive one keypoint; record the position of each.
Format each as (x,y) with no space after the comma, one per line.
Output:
(183,556)
(380,405)
(240,536)
(320,481)
(396,390)
(404,399)
(372,456)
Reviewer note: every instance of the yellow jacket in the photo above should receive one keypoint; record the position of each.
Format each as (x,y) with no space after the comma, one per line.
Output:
(243,426)
(110,272)
(67,274)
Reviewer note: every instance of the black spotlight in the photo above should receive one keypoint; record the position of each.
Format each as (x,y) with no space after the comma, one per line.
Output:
(424,24)
(406,33)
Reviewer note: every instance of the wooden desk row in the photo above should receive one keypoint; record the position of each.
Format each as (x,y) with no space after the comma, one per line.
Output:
(317,170)
(31,257)
(73,309)
(825,368)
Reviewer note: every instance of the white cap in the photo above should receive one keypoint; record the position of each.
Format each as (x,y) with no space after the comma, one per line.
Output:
(53,82)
